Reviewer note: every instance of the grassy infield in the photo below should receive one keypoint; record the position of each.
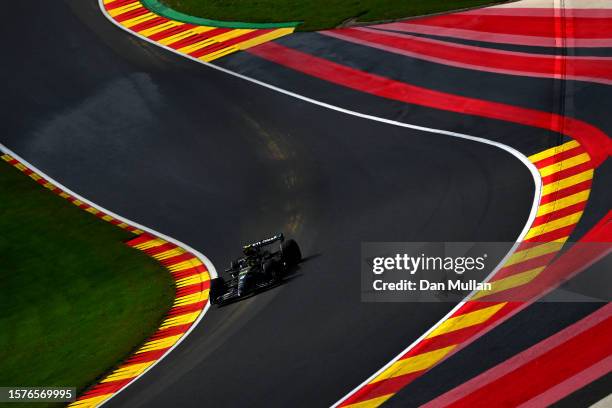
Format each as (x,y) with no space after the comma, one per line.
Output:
(74,300)
(316,14)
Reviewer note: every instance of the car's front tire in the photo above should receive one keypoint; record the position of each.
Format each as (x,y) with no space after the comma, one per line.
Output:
(217,289)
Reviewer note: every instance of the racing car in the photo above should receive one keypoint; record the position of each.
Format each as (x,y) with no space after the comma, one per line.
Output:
(260,268)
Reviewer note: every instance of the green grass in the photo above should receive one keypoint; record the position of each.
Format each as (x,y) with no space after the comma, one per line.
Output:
(316,14)
(74,299)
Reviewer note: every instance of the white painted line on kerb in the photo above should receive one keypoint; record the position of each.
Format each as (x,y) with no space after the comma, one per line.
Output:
(209,265)
(537,180)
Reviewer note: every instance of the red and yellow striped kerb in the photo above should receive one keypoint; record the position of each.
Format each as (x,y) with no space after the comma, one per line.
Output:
(205,43)
(192,282)
(51,187)
(566,173)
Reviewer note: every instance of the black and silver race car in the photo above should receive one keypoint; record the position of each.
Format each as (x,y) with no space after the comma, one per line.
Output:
(259,269)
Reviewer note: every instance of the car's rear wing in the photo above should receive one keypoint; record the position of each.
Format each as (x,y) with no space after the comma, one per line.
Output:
(279,237)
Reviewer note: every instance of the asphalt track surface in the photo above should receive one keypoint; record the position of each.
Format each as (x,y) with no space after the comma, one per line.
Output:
(572,98)
(216,162)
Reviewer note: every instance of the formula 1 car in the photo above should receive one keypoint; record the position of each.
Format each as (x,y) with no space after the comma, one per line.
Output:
(259,269)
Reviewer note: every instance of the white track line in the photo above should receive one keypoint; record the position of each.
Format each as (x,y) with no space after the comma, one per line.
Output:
(534,173)
(209,265)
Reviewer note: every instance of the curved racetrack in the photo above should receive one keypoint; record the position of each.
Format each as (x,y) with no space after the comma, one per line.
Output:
(216,161)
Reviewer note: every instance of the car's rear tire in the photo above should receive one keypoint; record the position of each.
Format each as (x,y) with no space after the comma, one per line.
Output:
(291,252)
